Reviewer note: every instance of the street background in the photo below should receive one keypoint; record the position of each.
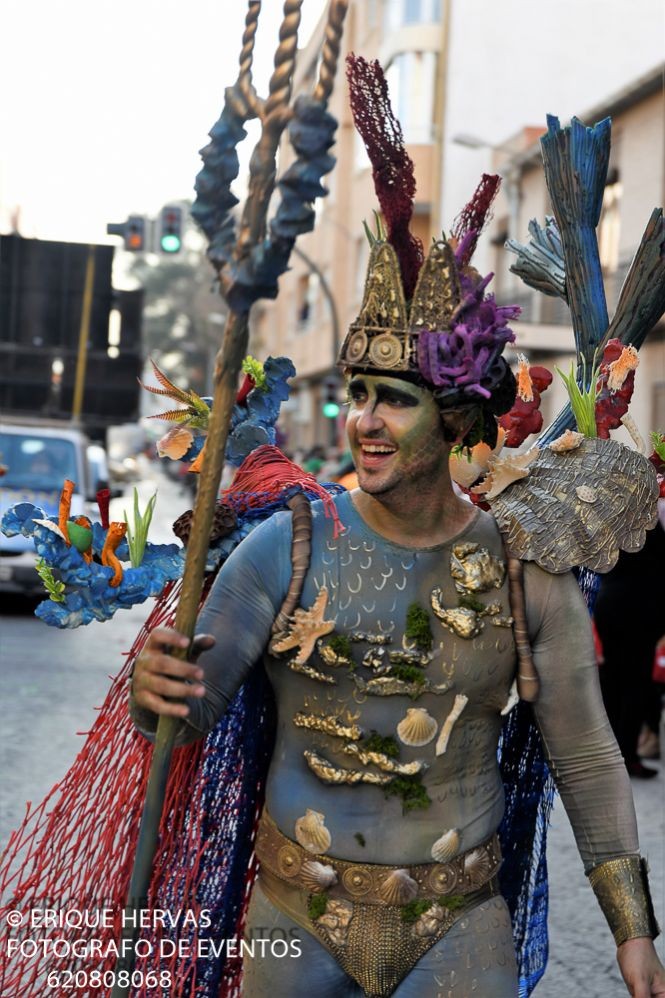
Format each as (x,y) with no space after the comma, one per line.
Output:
(51,680)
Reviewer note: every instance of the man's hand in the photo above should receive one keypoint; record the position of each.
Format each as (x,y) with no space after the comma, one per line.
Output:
(159,677)
(641,969)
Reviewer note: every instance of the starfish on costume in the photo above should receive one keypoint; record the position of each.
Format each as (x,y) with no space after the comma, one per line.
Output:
(307,626)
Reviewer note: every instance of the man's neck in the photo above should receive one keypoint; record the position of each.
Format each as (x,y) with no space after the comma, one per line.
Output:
(415,518)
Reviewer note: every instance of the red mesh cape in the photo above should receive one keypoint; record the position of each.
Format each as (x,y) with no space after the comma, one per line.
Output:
(392,167)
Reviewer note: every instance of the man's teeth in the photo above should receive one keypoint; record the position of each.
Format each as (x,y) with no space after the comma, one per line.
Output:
(377,449)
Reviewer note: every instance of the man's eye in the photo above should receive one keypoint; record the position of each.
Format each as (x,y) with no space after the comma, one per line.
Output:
(356,397)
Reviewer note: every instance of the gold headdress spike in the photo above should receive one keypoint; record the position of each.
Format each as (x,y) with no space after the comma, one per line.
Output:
(384,336)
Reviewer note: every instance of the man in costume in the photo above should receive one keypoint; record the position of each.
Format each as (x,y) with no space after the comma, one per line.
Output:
(378,844)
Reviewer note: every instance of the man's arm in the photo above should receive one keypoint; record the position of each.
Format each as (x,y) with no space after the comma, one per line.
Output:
(234,627)
(589,771)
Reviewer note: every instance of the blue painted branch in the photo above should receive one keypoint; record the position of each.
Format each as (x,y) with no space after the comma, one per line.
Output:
(575,160)
(540,262)
(642,299)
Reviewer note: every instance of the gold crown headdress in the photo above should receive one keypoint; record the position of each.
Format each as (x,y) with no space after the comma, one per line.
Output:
(427,318)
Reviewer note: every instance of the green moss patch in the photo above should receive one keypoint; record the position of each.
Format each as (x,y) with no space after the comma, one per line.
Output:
(317,905)
(418,627)
(387,744)
(411,791)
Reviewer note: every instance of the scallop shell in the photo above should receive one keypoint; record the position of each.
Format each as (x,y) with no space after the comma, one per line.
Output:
(175,443)
(317,877)
(398,888)
(446,847)
(417,728)
(311,833)
(477,866)
(569,440)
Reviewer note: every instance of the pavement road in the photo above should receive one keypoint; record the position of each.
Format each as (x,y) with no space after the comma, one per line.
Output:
(50,682)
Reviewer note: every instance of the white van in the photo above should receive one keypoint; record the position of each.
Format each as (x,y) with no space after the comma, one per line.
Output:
(38,456)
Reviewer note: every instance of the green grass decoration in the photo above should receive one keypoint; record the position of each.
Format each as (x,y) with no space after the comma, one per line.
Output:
(411,912)
(341,645)
(411,791)
(360,839)
(317,906)
(53,586)
(387,744)
(254,368)
(407,673)
(658,443)
(137,534)
(471,603)
(583,400)
(418,627)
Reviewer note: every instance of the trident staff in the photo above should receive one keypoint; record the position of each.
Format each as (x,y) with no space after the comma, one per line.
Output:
(248,265)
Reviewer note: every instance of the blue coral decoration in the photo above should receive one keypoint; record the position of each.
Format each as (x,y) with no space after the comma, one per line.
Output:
(88,593)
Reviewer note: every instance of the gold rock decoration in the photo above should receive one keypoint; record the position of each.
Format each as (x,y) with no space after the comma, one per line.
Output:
(389,686)
(417,728)
(329,773)
(398,888)
(334,923)
(460,620)
(328,724)
(502,471)
(306,627)
(384,762)
(475,570)
(312,673)
(312,833)
(542,519)
(431,921)
(446,846)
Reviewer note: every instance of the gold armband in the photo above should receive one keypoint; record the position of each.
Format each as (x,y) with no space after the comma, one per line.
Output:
(622,889)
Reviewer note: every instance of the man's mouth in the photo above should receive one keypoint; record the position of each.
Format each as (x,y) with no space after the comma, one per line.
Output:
(375,452)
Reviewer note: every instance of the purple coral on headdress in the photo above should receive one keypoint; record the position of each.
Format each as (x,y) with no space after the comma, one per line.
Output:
(466,359)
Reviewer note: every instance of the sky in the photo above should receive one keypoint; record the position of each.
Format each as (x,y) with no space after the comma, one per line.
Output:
(105,104)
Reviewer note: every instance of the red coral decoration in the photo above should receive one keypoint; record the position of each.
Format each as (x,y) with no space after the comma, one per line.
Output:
(475,215)
(392,167)
(612,405)
(525,418)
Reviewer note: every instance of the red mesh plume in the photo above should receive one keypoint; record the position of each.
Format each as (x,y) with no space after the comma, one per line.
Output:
(476,214)
(392,167)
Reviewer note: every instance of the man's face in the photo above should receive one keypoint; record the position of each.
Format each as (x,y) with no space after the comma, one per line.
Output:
(395,433)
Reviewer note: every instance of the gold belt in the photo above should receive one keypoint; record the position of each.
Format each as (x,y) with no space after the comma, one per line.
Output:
(362,921)
(373,883)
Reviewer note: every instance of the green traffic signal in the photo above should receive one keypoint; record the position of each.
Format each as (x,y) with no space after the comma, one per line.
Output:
(170,229)
(170,243)
(330,410)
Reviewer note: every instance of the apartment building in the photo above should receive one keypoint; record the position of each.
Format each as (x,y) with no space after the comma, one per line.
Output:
(417,43)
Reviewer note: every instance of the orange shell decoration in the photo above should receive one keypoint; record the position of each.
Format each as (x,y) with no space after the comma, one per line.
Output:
(175,443)
(620,368)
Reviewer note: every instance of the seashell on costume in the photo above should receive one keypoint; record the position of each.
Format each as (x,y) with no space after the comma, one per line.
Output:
(311,833)
(398,888)
(477,866)
(569,440)
(417,728)
(446,847)
(317,876)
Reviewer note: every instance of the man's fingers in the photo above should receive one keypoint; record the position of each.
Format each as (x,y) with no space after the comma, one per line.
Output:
(158,706)
(172,688)
(156,663)
(166,637)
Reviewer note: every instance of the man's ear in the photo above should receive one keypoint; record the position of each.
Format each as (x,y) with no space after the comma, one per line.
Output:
(458,422)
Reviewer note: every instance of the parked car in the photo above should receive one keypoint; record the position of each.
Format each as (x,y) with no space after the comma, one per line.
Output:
(38,456)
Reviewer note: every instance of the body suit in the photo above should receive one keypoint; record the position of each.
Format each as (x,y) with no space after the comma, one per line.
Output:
(371,582)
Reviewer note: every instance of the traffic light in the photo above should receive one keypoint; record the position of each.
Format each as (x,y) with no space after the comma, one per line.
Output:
(132,232)
(135,234)
(330,404)
(170,229)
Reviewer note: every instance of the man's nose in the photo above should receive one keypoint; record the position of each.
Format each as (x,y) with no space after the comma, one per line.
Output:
(370,420)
